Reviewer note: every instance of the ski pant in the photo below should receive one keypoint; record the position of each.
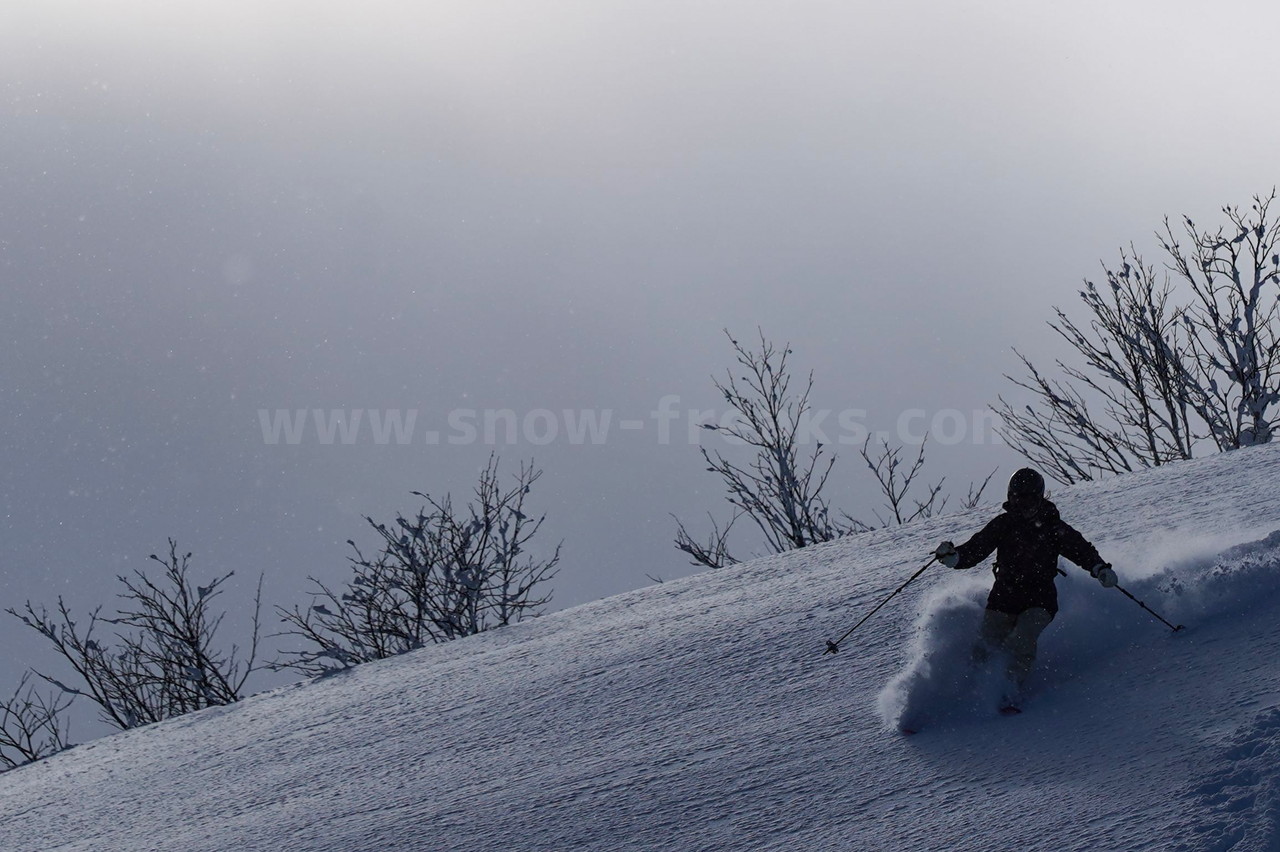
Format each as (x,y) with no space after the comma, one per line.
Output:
(1015,635)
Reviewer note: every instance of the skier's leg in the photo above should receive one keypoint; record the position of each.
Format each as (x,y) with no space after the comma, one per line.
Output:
(1021,642)
(996,627)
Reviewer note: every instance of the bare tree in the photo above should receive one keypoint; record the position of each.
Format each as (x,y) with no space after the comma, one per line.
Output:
(32,726)
(442,574)
(1136,353)
(165,662)
(779,490)
(1233,273)
(897,482)
(1160,376)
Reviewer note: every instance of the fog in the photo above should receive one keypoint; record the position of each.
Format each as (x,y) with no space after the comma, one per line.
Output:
(209,216)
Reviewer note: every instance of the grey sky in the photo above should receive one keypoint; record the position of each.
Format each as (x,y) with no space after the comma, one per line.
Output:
(210,210)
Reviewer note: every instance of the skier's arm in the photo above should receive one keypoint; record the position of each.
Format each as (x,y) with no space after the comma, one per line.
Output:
(982,544)
(1077,548)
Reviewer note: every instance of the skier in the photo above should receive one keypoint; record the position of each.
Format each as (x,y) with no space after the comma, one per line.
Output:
(1028,538)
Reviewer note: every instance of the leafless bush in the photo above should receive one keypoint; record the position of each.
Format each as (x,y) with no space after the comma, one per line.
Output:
(1161,376)
(442,574)
(780,490)
(164,661)
(1233,380)
(32,726)
(897,482)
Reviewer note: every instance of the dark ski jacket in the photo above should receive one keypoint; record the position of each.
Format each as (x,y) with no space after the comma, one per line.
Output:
(1027,551)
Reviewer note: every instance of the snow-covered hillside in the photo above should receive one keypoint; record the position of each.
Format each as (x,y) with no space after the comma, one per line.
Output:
(702,714)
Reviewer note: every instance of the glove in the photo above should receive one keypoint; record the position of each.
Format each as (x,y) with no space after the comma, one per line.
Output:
(1103,574)
(947,554)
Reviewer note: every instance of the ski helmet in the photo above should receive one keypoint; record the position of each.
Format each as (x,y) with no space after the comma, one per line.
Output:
(1026,488)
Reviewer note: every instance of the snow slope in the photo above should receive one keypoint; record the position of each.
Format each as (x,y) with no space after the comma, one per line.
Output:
(702,715)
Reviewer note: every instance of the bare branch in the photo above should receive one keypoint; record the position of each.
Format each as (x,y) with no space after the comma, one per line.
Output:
(166,661)
(442,574)
(778,490)
(32,726)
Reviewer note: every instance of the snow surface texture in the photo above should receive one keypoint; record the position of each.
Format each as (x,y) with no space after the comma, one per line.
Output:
(702,715)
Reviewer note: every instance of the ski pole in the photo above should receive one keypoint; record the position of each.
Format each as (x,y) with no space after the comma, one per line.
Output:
(834,647)
(1149,609)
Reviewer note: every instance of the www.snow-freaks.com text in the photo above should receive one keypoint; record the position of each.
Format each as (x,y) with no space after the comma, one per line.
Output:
(667,422)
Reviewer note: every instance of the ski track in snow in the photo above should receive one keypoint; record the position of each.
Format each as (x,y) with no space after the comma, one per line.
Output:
(702,715)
